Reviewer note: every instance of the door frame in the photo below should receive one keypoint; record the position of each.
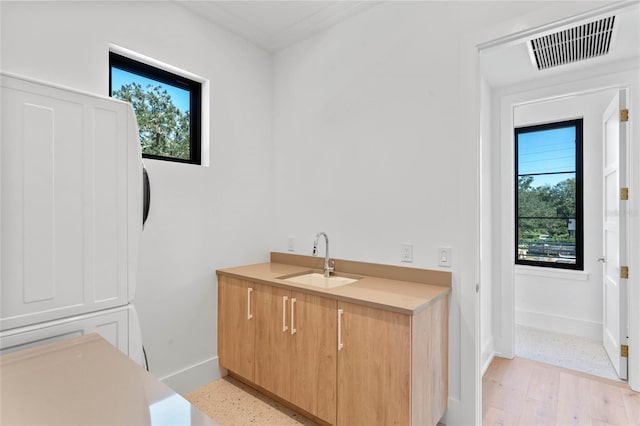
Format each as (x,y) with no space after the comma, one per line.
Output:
(504,339)
(503,269)
(505,345)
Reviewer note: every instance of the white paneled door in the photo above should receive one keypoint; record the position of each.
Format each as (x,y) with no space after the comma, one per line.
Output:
(614,333)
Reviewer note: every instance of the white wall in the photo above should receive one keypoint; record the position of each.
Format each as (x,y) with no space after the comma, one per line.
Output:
(569,301)
(374,147)
(202,218)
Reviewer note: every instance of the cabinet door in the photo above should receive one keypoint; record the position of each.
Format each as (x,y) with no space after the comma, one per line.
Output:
(236,325)
(430,363)
(273,341)
(313,355)
(374,367)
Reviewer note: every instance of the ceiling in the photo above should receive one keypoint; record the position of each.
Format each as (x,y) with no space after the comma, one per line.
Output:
(510,62)
(274,25)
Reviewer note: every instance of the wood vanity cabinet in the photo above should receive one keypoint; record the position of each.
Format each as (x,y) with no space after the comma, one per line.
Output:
(374,366)
(296,349)
(273,341)
(347,364)
(392,367)
(256,342)
(236,325)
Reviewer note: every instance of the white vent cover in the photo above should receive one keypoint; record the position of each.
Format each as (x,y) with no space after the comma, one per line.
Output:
(573,44)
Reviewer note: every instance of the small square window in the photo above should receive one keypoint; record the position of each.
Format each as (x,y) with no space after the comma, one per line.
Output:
(167,107)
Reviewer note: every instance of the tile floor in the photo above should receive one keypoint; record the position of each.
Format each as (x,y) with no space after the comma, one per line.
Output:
(562,350)
(230,402)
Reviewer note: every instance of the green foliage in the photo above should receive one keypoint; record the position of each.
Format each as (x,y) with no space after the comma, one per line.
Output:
(553,203)
(164,129)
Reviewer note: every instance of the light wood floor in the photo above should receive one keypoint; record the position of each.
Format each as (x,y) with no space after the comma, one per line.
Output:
(524,392)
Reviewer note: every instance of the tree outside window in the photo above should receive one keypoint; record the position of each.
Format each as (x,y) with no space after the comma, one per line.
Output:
(549,195)
(167,108)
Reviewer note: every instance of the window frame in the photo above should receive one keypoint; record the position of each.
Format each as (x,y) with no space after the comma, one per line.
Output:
(164,76)
(578,124)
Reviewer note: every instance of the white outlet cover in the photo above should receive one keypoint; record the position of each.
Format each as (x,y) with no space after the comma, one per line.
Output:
(444,256)
(291,244)
(406,252)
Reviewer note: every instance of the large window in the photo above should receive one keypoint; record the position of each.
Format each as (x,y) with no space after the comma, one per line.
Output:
(548,181)
(167,108)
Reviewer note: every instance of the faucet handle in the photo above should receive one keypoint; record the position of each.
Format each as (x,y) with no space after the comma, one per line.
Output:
(328,271)
(329,268)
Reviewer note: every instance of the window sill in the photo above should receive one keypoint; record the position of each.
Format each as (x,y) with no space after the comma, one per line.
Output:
(563,274)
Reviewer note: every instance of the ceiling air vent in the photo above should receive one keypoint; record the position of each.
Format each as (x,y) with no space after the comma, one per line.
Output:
(574,44)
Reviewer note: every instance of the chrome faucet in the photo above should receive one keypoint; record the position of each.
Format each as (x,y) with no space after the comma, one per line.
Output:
(327,269)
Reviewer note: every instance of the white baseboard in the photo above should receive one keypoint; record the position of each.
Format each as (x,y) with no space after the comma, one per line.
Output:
(453,413)
(487,355)
(193,377)
(559,324)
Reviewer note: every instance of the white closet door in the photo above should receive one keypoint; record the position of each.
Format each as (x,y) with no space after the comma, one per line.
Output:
(614,332)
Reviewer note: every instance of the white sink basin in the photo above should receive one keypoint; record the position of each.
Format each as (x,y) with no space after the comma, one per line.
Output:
(316,279)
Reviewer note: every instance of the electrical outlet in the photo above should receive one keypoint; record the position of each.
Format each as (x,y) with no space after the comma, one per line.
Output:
(444,256)
(406,252)
(291,244)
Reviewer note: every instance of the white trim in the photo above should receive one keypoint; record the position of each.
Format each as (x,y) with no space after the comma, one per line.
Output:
(205,149)
(188,379)
(468,409)
(633,231)
(154,62)
(559,324)
(563,274)
(488,353)
(454,406)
